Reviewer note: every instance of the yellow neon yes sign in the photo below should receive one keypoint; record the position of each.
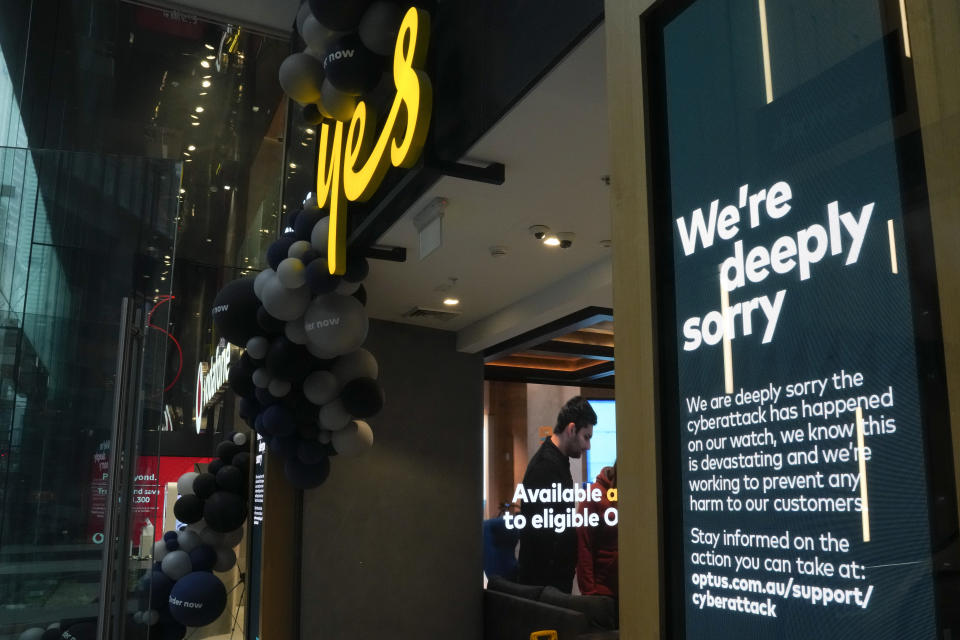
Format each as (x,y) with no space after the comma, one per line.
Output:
(342,172)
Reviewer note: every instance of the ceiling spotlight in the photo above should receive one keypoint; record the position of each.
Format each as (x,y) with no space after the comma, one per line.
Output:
(181,191)
(208,46)
(566,239)
(191,148)
(198,109)
(539,231)
(293,165)
(451,302)
(204,64)
(551,241)
(196,124)
(226,187)
(309,130)
(205,83)
(211,57)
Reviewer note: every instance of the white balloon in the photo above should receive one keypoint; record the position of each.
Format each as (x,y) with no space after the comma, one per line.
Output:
(261,280)
(302,16)
(334,416)
(211,537)
(295,331)
(292,273)
(226,558)
(240,439)
(325,436)
(317,36)
(185,483)
(282,303)
(278,388)
(298,248)
(188,540)
(338,104)
(176,565)
(34,633)
(261,378)
(320,387)
(319,236)
(353,439)
(257,347)
(347,288)
(356,364)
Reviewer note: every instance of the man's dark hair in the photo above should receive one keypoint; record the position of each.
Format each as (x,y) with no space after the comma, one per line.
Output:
(578,411)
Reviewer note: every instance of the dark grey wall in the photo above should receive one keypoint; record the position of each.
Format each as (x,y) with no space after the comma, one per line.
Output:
(392,541)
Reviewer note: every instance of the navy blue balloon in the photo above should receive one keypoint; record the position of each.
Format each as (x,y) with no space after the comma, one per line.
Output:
(269,324)
(265,398)
(339,15)
(170,539)
(249,407)
(306,221)
(285,446)
(197,599)
(288,360)
(277,252)
(319,279)
(278,421)
(310,452)
(168,630)
(258,425)
(306,476)
(357,269)
(203,558)
(309,256)
(159,584)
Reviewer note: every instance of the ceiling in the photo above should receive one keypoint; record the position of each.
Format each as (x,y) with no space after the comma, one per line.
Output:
(554,145)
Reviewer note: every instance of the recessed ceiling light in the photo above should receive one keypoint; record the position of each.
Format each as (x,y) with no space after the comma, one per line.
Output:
(199,109)
(211,57)
(191,148)
(196,124)
(293,165)
(205,83)
(204,64)
(226,187)
(310,131)
(552,241)
(451,302)
(208,46)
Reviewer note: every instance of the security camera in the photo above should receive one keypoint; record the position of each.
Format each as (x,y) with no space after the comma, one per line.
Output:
(539,231)
(566,239)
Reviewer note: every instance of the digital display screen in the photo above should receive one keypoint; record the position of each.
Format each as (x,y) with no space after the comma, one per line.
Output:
(804,486)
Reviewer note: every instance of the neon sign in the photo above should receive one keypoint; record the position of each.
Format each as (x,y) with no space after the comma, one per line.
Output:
(212,380)
(341,172)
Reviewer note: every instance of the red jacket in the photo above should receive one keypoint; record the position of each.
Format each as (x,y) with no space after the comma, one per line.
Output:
(597,547)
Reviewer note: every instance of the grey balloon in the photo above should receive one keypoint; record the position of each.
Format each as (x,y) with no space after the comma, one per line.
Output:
(317,36)
(278,388)
(379,26)
(319,235)
(335,325)
(160,550)
(188,540)
(261,378)
(356,364)
(320,387)
(301,77)
(261,280)
(302,15)
(292,273)
(298,248)
(345,288)
(295,332)
(338,104)
(210,537)
(282,303)
(240,439)
(35,633)
(334,416)
(226,558)
(233,538)
(257,347)
(353,439)
(176,564)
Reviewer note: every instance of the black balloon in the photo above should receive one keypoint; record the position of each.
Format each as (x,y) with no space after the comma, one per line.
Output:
(277,420)
(305,222)
(310,452)
(329,449)
(319,278)
(188,509)
(310,114)
(241,461)
(224,511)
(81,631)
(292,219)
(339,15)
(285,446)
(203,558)
(265,398)
(357,269)
(249,407)
(55,634)
(351,67)
(306,476)
(215,466)
(361,295)
(249,363)
(171,537)
(362,397)
(308,430)
(240,381)
(288,360)
(234,311)
(309,256)
(204,485)
(267,323)
(231,478)
(226,450)
(277,252)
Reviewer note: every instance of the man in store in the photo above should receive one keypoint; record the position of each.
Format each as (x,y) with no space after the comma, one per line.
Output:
(547,557)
